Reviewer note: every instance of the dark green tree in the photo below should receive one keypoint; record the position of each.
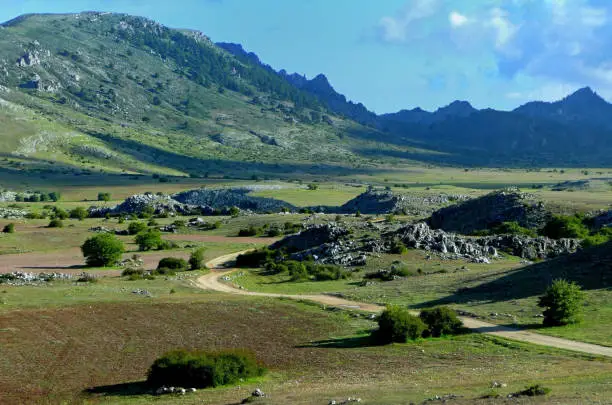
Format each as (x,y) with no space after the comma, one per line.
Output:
(563,302)
(102,250)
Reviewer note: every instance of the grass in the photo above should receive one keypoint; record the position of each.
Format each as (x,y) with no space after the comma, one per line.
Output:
(120,339)
(327,194)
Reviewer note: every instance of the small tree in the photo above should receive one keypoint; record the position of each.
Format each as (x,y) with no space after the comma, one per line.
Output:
(54,196)
(9,228)
(136,227)
(441,321)
(55,223)
(196,260)
(102,250)
(60,213)
(79,213)
(563,301)
(149,240)
(104,196)
(172,263)
(397,324)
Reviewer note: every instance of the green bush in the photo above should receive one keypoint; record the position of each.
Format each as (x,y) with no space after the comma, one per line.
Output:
(60,213)
(136,227)
(533,391)
(79,213)
(441,321)
(398,247)
(512,228)
(398,270)
(54,196)
(603,236)
(563,302)
(9,228)
(255,258)
(250,231)
(572,226)
(102,250)
(397,324)
(149,240)
(173,263)
(55,223)
(203,369)
(196,259)
(104,196)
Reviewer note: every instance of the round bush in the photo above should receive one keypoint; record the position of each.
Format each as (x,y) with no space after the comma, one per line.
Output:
(203,369)
(136,227)
(563,302)
(79,213)
(9,228)
(196,259)
(102,250)
(397,324)
(55,223)
(441,321)
(149,240)
(172,263)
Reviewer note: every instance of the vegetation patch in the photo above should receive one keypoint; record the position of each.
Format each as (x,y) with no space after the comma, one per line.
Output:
(202,369)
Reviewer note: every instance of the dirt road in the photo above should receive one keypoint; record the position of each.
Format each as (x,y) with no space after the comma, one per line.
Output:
(221,264)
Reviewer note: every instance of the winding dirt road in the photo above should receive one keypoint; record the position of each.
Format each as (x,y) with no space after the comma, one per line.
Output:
(221,265)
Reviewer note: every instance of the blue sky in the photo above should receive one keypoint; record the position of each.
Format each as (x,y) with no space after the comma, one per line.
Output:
(397,54)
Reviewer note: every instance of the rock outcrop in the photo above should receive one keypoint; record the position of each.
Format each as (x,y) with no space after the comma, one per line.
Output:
(231,197)
(387,202)
(421,236)
(158,204)
(490,210)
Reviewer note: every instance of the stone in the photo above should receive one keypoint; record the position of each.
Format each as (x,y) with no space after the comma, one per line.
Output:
(258,393)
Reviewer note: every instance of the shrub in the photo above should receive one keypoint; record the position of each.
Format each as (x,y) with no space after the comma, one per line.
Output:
(441,321)
(397,324)
(255,258)
(512,228)
(234,211)
(104,196)
(533,391)
(87,278)
(250,231)
(399,270)
(172,263)
(133,271)
(102,250)
(604,235)
(326,272)
(54,196)
(398,247)
(9,228)
(196,259)
(79,213)
(60,213)
(563,302)
(313,186)
(55,223)
(149,240)
(135,228)
(204,369)
(274,232)
(566,227)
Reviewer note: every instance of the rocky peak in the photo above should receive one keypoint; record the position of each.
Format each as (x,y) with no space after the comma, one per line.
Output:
(456,109)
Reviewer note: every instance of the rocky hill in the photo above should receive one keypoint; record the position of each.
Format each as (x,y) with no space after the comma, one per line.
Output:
(490,210)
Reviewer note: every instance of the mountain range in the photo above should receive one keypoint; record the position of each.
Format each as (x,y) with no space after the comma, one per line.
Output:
(89,92)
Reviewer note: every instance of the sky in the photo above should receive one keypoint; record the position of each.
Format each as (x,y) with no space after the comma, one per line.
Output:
(400,54)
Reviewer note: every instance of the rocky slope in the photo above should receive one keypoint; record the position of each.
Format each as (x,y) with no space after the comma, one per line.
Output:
(492,209)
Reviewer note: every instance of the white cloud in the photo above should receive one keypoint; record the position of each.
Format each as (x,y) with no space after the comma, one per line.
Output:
(457,19)
(593,17)
(397,28)
(503,27)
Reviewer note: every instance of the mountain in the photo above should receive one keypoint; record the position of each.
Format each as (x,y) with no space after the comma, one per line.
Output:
(114,93)
(122,94)
(582,107)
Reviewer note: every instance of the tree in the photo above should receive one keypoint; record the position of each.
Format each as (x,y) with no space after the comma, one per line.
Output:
(441,321)
(79,213)
(313,186)
(102,250)
(9,228)
(135,228)
(54,196)
(149,240)
(104,196)
(563,301)
(55,223)
(397,324)
(196,259)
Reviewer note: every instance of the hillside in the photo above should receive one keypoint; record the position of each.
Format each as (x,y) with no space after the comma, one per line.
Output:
(113,93)
(116,93)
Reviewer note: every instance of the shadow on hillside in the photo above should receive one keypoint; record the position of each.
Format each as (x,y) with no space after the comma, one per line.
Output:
(120,390)
(160,157)
(42,267)
(342,343)
(589,268)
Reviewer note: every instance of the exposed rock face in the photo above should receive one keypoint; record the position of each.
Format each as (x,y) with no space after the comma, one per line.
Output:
(226,198)
(158,203)
(420,236)
(385,202)
(489,210)
(313,236)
